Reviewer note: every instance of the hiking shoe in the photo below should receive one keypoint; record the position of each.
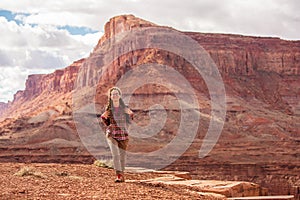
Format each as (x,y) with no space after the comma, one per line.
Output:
(120,178)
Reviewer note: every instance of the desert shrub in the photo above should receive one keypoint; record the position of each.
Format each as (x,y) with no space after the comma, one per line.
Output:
(28,171)
(104,163)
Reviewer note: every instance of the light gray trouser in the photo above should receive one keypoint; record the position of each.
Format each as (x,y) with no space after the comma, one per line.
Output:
(118,151)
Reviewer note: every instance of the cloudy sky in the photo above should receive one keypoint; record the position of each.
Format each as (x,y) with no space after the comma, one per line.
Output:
(39,36)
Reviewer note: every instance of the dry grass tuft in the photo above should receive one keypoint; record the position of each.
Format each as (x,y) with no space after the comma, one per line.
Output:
(104,163)
(28,171)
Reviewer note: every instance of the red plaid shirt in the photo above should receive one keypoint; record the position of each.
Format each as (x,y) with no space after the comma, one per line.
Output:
(118,126)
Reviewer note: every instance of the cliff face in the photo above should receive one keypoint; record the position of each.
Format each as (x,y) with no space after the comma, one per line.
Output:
(42,87)
(270,65)
(121,24)
(3,107)
(61,81)
(265,68)
(245,55)
(261,78)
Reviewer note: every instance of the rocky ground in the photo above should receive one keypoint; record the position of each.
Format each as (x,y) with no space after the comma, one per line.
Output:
(77,181)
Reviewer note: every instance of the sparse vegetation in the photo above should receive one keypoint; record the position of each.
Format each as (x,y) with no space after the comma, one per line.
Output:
(67,174)
(104,163)
(62,174)
(28,171)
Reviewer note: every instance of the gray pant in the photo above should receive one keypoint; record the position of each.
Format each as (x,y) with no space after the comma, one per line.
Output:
(118,151)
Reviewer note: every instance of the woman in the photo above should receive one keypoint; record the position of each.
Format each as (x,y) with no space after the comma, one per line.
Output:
(116,117)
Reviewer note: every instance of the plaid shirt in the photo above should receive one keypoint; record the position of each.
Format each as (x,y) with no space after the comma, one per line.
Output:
(118,126)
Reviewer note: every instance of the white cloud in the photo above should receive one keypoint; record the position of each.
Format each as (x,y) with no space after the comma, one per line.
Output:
(269,17)
(26,49)
(43,42)
(11,80)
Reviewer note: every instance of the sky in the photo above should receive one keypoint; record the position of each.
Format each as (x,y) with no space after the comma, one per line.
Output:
(38,36)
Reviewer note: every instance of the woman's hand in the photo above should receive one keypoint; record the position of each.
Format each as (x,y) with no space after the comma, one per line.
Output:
(104,115)
(105,119)
(129,112)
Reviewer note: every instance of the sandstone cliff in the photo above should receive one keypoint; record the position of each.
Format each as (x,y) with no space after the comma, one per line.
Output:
(41,91)
(3,106)
(260,138)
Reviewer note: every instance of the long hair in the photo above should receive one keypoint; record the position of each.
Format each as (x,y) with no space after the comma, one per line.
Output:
(110,107)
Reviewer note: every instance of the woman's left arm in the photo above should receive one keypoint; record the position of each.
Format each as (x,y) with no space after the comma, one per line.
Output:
(129,112)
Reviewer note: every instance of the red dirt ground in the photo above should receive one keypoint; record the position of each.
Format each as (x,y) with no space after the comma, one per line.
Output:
(79,181)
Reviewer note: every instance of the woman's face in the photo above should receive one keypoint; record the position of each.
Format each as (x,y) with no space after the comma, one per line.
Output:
(115,95)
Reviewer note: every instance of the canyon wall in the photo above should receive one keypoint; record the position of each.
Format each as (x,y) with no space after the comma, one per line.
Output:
(44,88)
